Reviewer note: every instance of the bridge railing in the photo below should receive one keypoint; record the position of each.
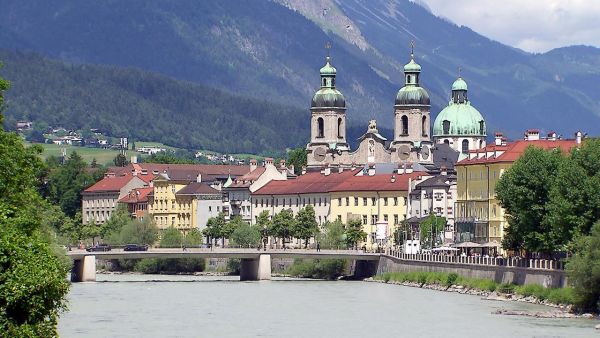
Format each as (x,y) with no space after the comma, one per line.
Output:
(542,264)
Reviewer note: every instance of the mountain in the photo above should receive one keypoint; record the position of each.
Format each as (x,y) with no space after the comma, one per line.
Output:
(145,106)
(272,50)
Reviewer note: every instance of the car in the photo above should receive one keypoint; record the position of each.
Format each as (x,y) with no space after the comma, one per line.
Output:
(135,247)
(98,247)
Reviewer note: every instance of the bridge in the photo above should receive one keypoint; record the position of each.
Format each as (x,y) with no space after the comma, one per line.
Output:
(255,264)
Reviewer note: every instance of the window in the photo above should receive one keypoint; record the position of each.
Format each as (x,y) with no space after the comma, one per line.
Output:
(481,127)
(396,221)
(447,142)
(385,217)
(218,208)
(340,123)
(277,202)
(373,201)
(324,82)
(173,188)
(320,127)
(364,219)
(283,202)
(339,218)
(396,201)
(364,201)
(446,127)
(385,201)
(339,202)
(209,208)
(424,127)
(262,203)
(374,219)
(355,201)
(465,146)
(319,201)
(404,120)
(347,201)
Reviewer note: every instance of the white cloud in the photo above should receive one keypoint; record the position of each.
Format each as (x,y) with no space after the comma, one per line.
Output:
(532,25)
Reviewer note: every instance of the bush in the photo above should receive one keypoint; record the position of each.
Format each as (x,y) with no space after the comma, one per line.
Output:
(561,295)
(233,266)
(451,279)
(170,265)
(506,288)
(319,268)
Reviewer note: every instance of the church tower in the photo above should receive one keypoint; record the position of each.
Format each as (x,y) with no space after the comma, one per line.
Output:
(412,140)
(328,121)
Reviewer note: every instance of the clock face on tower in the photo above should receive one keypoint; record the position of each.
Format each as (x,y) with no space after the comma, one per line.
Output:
(404,152)
(319,154)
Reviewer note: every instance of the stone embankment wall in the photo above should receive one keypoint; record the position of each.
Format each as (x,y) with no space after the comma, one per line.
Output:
(500,274)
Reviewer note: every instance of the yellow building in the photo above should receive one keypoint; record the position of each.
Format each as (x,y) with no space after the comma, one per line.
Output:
(378,200)
(479,216)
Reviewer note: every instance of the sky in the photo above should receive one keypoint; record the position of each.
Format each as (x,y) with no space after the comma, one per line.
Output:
(531,25)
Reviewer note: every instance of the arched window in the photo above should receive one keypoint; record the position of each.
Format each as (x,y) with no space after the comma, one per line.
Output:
(446,141)
(340,128)
(408,79)
(424,126)
(324,82)
(446,127)
(481,127)
(465,146)
(480,144)
(404,130)
(333,82)
(320,127)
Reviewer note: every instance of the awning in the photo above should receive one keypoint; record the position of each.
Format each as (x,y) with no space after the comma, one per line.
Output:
(444,248)
(492,244)
(467,245)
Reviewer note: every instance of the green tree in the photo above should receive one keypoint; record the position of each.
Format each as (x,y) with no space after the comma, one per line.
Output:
(355,233)
(333,235)
(171,238)
(214,228)
(94,163)
(432,223)
(524,193)
(264,224)
(305,226)
(118,219)
(33,282)
(583,269)
(193,238)
(298,158)
(574,199)
(282,225)
(120,160)
(66,182)
(246,236)
(230,227)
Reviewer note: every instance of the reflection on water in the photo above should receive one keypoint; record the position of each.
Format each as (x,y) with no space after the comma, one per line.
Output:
(193,306)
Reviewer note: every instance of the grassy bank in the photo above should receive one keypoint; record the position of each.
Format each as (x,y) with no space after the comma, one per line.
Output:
(318,268)
(552,295)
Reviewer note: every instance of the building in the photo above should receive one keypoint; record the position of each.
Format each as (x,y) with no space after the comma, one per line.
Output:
(205,201)
(460,125)
(433,194)
(238,191)
(479,217)
(411,142)
(100,200)
(378,201)
(136,202)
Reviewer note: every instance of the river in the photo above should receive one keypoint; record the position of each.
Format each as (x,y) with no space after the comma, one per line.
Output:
(194,306)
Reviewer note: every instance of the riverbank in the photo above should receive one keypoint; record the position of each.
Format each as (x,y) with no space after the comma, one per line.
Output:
(560,299)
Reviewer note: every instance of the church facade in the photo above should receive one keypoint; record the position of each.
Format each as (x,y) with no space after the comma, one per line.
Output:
(412,141)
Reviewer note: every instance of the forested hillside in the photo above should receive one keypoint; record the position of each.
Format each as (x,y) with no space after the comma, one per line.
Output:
(146,106)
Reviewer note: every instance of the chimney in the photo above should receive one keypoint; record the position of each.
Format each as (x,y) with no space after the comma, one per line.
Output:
(144,171)
(134,159)
(401,168)
(532,135)
(253,164)
(552,136)
(498,139)
(199,178)
(303,171)
(371,171)
(409,168)
(578,137)
(443,170)
(281,163)
(340,169)
(327,171)
(393,178)
(268,161)
(292,168)
(133,172)
(353,166)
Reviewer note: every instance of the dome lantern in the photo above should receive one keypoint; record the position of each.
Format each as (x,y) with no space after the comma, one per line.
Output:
(328,96)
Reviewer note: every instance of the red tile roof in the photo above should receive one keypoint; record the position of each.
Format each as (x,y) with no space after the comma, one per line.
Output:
(246,180)
(110,183)
(137,195)
(512,151)
(309,183)
(381,182)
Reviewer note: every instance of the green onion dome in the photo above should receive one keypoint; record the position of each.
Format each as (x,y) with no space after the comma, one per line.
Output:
(328,96)
(459,118)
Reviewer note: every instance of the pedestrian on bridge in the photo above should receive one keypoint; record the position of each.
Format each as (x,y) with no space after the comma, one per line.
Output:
(318,246)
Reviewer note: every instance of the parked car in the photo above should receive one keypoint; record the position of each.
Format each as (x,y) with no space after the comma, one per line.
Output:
(135,247)
(98,247)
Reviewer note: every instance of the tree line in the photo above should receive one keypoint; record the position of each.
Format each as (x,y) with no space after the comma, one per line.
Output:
(552,205)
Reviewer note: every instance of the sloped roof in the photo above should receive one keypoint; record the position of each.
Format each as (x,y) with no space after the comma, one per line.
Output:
(197,188)
(435,181)
(309,183)
(247,180)
(137,195)
(110,183)
(386,182)
(512,151)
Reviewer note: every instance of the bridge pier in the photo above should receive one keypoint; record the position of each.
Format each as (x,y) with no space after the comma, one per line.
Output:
(256,268)
(84,270)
